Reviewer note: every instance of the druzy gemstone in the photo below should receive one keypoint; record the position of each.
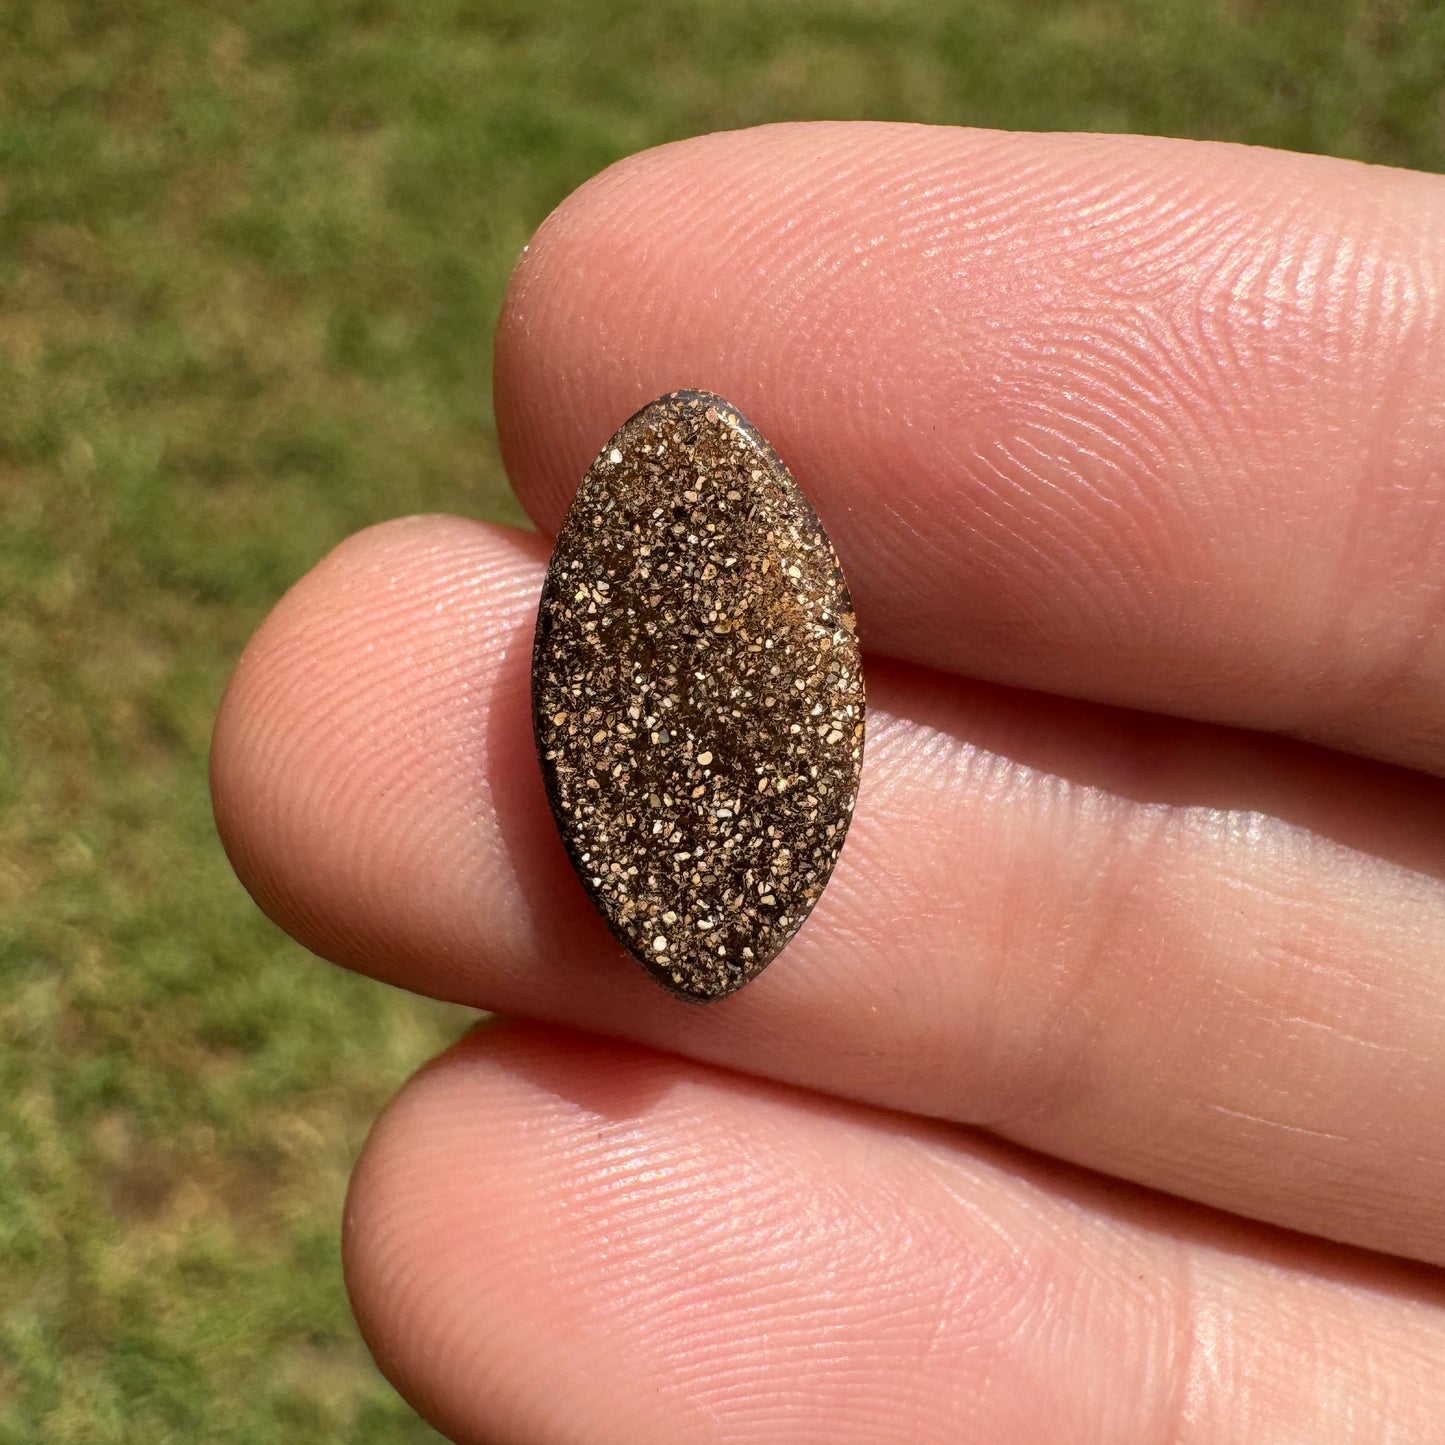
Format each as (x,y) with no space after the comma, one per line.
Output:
(697,695)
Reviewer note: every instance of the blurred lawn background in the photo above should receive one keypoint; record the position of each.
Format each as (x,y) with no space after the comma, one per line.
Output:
(250,260)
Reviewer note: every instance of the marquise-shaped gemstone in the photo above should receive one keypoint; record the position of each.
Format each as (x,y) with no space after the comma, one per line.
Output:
(697,695)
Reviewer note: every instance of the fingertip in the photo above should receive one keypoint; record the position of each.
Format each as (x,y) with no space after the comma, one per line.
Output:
(630,288)
(466,1241)
(343,719)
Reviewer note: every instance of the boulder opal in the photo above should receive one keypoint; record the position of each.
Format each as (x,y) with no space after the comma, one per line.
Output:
(697,695)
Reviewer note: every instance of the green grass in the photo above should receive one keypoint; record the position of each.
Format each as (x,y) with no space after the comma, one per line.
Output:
(249,268)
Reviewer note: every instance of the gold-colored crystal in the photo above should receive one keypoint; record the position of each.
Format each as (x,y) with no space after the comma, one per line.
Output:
(697,695)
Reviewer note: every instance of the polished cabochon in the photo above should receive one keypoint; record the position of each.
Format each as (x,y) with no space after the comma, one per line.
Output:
(697,694)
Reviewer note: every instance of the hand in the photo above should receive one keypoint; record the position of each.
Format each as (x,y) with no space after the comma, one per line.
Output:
(1153,430)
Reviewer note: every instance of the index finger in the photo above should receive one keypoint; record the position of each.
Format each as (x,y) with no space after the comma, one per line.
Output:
(1150,422)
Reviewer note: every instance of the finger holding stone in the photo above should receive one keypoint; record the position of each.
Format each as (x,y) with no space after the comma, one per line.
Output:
(1151,422)
(552,1237)
(1205,960)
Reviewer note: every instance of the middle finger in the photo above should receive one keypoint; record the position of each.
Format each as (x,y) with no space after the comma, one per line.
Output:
(1194,958)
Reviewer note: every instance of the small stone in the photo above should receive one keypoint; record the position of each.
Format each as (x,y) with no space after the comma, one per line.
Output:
(692,580)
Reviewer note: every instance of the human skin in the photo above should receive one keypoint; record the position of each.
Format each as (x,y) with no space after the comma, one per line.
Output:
(1100,1097)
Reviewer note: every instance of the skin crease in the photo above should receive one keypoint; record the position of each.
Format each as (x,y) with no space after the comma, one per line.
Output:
(1129,421)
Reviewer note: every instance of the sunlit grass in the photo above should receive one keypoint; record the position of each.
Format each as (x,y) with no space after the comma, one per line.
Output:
(250,258)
